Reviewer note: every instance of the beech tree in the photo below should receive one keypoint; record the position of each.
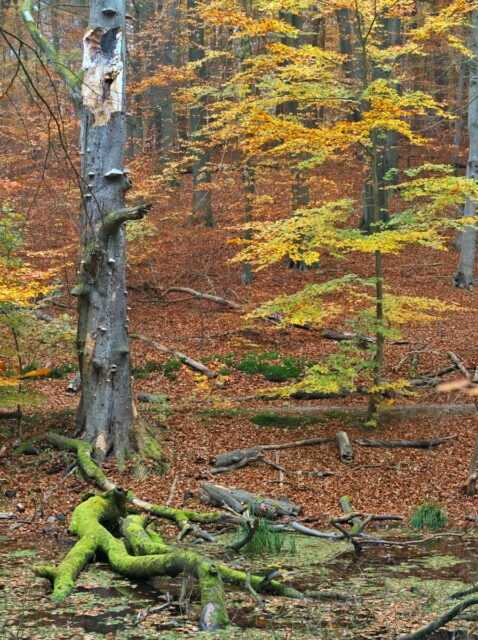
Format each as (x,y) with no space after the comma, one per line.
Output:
(106,410)
(464,273)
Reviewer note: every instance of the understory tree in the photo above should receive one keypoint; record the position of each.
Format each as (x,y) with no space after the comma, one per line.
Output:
(464,276)
(106,411)
(310,73)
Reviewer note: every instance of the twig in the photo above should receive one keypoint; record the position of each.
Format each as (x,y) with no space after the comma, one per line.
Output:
(205,296)
(425,631)
(172,490)
(251,530)
(193,364)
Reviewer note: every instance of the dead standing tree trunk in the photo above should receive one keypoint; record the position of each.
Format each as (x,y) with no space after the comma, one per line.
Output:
(106,410)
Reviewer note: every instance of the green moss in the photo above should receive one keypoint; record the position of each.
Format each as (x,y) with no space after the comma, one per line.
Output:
(439,561)
(284,422)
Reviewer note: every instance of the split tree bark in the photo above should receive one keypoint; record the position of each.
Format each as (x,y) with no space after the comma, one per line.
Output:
(106,411)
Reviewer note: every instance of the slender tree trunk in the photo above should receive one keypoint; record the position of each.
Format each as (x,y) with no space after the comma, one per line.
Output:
(375,398)
(458,137)
(249,182)
(387,148)
(464,276)
(161,97)
(201,206)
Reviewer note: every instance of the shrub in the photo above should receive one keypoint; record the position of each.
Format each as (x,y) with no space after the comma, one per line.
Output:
(428,515)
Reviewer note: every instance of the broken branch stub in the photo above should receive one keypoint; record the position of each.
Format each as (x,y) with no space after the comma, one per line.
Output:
(346,453)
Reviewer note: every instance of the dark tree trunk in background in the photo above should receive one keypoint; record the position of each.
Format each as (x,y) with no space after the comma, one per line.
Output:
(201,205)
(464,274)
(387,148)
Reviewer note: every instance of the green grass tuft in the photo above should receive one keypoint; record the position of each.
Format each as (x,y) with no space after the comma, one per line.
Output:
(267,540)
(428,515)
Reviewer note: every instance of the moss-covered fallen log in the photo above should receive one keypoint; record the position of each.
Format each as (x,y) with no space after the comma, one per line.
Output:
(84,453)
(141,552)
(151,556)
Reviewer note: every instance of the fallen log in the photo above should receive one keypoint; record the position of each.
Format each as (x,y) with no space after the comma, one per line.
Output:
(74,385)
(91,522)
(346,453)
(426,630)
(251,453)
(395,444)
(193,364)
(93,519)
(238,501)
(11,415)
(459,364)
(340,336)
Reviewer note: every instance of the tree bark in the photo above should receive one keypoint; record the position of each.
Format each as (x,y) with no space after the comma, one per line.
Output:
(464,276)
(346,453)
(106,411)
(238,501)
(201,205)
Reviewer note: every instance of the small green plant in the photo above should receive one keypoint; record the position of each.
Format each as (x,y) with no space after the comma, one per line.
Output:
(266,540)
(63,370)
(272,365)
(168,369)
(171,367)
(284,422)
(428,515)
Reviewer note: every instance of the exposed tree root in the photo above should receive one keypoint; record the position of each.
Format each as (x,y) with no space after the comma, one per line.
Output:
(93,520)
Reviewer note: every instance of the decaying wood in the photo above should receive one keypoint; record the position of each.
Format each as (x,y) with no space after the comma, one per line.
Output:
(340,336)
(395,444)
(238,501)
(346,453)
(74,385)
(346,506)
(193,364)
(241,457)
(425,631)
(372,516)
(459,364)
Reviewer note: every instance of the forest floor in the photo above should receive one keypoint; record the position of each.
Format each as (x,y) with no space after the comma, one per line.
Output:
(200,419)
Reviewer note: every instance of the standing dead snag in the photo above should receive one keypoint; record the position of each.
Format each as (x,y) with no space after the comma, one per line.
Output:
(106,411)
